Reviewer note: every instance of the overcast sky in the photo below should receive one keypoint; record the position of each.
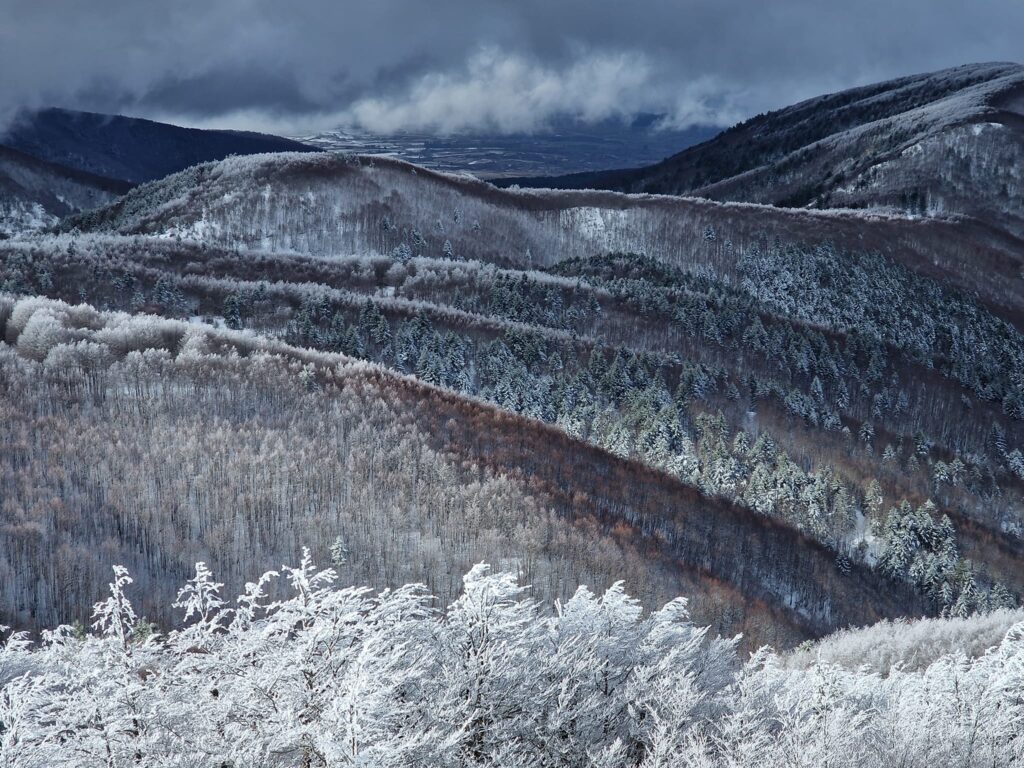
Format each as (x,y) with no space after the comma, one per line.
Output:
(292,66)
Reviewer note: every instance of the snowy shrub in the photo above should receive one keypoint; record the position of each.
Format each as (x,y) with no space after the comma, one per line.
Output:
(23,311)
(42,331)
(908,645)
(330,675)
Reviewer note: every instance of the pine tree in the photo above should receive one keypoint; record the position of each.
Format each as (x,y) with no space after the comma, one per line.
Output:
(234,305)
(867,434)
(339,552)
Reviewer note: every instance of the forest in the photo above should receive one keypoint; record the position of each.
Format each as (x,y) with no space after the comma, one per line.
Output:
(192,442)
(880,422)
(330,674)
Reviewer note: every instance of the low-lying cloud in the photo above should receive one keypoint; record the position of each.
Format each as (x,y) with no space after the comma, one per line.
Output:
(501,92)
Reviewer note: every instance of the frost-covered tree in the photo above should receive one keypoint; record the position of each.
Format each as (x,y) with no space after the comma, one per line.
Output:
(301,671)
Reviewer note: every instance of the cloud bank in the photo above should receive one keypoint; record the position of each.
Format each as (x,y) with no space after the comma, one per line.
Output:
(455,65)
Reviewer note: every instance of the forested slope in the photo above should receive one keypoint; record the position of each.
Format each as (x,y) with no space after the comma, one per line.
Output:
(939,143)
(330,205)
(195,443)
(35,194)
(837,387)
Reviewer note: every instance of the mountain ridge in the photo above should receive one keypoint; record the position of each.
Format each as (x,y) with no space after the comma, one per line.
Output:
(706,230)
(855,148)
(131,149)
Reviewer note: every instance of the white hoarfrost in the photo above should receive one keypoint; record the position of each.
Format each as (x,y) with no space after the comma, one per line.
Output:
(300,671)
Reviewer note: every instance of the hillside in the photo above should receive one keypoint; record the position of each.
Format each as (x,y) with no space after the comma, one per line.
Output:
(35,194)
(939,143)
(193,442)
(837,377)
(129,149)
(328,205)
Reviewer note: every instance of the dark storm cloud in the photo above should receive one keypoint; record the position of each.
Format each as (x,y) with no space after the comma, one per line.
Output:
(455,64)
(229,89)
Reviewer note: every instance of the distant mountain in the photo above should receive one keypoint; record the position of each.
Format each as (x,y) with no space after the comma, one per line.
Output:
(567,146)
(35,193)
(128,148)
(940,143)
